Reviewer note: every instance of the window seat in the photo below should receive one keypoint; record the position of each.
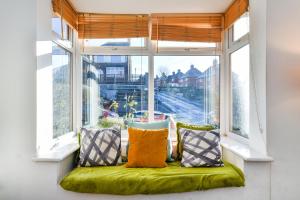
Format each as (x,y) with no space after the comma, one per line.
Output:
(120,180)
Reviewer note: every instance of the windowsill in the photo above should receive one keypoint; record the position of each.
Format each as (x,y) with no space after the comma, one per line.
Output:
(243,150)
(58,154)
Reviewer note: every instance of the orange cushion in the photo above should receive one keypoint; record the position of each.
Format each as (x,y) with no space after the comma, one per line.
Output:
(147,148)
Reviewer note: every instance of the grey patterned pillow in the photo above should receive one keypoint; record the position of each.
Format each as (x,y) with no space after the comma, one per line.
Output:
(100,147)
(200,148)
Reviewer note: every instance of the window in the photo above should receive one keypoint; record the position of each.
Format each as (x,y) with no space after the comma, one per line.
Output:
(117,42)
(90,92)
(172,44)
(62,31)
(238,62)
(187,88)
(62,91)
(240,91)
(55,86)
(114,91)
(241,27)
(115,72)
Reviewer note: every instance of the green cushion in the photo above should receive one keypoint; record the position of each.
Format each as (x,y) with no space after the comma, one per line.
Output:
(188,126)
(171,179)
(155,125)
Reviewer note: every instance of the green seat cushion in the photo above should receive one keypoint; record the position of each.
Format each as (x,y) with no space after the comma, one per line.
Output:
(120,180)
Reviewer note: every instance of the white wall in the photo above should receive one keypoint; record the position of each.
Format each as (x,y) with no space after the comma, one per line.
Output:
(283,96)
(17,97)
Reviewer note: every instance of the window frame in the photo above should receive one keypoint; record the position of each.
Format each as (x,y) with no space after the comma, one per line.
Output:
(112,50)
(232,46)
(67,45)
(185,50)
(150,50)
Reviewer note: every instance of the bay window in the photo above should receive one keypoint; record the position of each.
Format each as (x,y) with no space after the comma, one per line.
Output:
(130,72)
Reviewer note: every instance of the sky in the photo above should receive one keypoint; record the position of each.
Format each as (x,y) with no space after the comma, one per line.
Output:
(168,64)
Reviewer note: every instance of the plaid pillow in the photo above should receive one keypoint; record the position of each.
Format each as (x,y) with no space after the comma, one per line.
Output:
(100,147)
(200,148)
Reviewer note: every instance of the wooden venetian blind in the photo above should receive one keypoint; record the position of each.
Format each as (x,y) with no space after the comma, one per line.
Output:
(187,27)
(92,26)
(235,10)
(64,9)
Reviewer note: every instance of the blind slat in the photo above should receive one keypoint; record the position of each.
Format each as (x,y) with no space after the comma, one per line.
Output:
(93,26)
(187,27)
(64,9)
(235,10)
(172,27)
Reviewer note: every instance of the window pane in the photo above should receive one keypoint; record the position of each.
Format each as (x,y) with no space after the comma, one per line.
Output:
(187,88)
(114,88)
(240,91)
(241,27)
(185,44)
(56,28)
(119,42)
(62,96)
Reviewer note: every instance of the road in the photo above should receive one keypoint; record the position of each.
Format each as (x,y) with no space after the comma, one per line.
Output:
(184,109)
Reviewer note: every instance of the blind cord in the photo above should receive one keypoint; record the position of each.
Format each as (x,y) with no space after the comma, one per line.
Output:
(61,20)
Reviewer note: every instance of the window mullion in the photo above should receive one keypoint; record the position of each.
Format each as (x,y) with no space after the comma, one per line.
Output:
(151,87)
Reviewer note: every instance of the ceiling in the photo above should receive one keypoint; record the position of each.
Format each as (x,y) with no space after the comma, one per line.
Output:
(151,6)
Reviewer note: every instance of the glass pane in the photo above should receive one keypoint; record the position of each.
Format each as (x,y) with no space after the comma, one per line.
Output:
(240,91)
(56,28)
(119,42)
(241,27)
(187,88)
(62,96)
(114,88)
(185,44)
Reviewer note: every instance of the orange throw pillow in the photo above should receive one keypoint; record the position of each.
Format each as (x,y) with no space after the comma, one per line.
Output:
(147,148)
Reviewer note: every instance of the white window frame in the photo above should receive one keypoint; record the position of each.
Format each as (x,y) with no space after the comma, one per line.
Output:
(112,50)
(231,46)
(150,50)
(69,46)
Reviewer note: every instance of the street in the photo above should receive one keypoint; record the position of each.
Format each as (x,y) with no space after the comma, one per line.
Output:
(182,109)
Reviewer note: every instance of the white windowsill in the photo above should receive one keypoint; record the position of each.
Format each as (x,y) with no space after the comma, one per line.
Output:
(58,154)
(243,150)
